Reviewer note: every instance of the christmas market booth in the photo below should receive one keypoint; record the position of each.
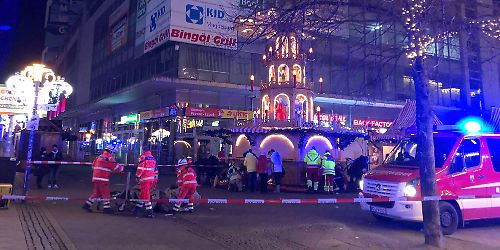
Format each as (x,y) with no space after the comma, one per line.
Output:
(292,143)
(403,127)
(286,119)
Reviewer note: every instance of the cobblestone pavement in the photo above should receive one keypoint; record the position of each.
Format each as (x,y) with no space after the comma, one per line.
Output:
(39,231)
(218,226)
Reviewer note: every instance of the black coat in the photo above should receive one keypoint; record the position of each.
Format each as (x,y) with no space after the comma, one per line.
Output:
(55,157)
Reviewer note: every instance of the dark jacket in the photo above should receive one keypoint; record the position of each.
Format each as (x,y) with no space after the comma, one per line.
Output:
(55,157)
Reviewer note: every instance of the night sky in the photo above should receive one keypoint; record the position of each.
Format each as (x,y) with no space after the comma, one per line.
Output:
(24,42)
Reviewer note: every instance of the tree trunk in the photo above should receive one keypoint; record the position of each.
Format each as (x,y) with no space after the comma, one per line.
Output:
(425,154)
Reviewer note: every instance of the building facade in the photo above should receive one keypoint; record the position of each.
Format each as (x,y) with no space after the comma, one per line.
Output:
(136,88)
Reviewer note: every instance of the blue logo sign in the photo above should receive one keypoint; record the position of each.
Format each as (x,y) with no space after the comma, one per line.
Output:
(194,14)
(155,16)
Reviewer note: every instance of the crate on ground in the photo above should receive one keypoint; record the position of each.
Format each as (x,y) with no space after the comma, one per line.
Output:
(5,189)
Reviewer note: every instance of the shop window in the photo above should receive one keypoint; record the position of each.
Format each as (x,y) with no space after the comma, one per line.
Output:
(494,147)
(467,156)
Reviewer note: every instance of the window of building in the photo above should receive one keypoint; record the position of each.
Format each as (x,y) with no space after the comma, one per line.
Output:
(450,48)
(467,156)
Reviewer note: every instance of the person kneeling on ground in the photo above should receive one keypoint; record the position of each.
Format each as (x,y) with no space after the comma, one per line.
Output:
(186,179)
(102,167)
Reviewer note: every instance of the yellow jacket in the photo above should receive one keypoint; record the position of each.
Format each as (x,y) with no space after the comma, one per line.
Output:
(312,158)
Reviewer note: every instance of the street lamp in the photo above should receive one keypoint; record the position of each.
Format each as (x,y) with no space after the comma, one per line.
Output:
(26,86)
(252,80)
(252,96)
(318,109)
(321,85)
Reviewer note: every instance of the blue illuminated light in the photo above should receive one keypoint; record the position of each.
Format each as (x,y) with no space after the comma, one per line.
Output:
(472,125)
(5,27)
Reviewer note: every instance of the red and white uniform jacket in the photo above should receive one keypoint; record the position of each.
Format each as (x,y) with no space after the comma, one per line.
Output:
(146,170)
(186,175)
(182,163)
(103,166)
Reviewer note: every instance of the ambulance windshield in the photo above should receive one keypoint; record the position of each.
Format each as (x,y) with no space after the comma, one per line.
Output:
(404,154)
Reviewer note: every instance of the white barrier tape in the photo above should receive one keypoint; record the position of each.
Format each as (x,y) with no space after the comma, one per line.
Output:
(431,198)
(327,201)
(465,197)
(254,201)
(248,201)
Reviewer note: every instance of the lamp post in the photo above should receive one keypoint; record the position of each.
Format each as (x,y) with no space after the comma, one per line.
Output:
(321,85)
(26,86)
(318,109)
(252,96)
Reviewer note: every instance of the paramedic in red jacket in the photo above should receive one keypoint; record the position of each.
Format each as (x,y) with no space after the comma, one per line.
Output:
(147,175)
(187,183)
(102,167)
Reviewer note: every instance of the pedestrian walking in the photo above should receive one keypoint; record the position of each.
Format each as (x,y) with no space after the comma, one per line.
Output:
(313,161)
(42,169)
(102,167)
(263,171)
(186,180)
(146,173)
(328,167)
(250,164)
(277,169)
(55,155)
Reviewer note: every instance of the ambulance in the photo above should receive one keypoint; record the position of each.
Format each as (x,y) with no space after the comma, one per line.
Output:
(467,167)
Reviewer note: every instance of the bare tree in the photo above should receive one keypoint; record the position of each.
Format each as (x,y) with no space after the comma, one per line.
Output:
(423,22)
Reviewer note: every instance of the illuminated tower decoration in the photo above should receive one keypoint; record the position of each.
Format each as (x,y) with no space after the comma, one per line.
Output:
(287,95)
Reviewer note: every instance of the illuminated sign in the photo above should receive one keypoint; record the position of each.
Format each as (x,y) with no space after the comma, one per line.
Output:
(129,118)
(202,112)
(371,123)
(331,118)
(236,114)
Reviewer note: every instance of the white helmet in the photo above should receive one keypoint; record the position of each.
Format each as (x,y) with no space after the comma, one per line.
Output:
(110,148)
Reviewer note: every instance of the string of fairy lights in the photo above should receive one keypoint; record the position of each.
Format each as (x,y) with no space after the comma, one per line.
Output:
(418,41)
(490,27)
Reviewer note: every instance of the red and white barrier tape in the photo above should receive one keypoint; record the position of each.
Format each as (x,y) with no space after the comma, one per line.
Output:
(257,201)
(90,163)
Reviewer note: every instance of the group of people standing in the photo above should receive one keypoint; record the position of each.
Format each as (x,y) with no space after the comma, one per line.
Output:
(320,166)
(51,169)
(263,167)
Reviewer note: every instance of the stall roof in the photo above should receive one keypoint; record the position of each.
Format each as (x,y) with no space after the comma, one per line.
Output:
(405,121)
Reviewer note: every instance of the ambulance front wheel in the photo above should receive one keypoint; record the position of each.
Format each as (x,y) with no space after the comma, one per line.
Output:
(449,218)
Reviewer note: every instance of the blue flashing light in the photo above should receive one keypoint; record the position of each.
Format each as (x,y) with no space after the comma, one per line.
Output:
(5,27)
(472,125)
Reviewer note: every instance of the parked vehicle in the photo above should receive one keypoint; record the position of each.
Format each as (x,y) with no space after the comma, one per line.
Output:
(466,166)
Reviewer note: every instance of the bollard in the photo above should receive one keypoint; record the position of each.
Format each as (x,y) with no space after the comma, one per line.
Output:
(127,186)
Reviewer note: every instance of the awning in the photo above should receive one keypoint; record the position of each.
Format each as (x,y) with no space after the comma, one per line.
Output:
(405,122)
(251,129)
(495,118)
